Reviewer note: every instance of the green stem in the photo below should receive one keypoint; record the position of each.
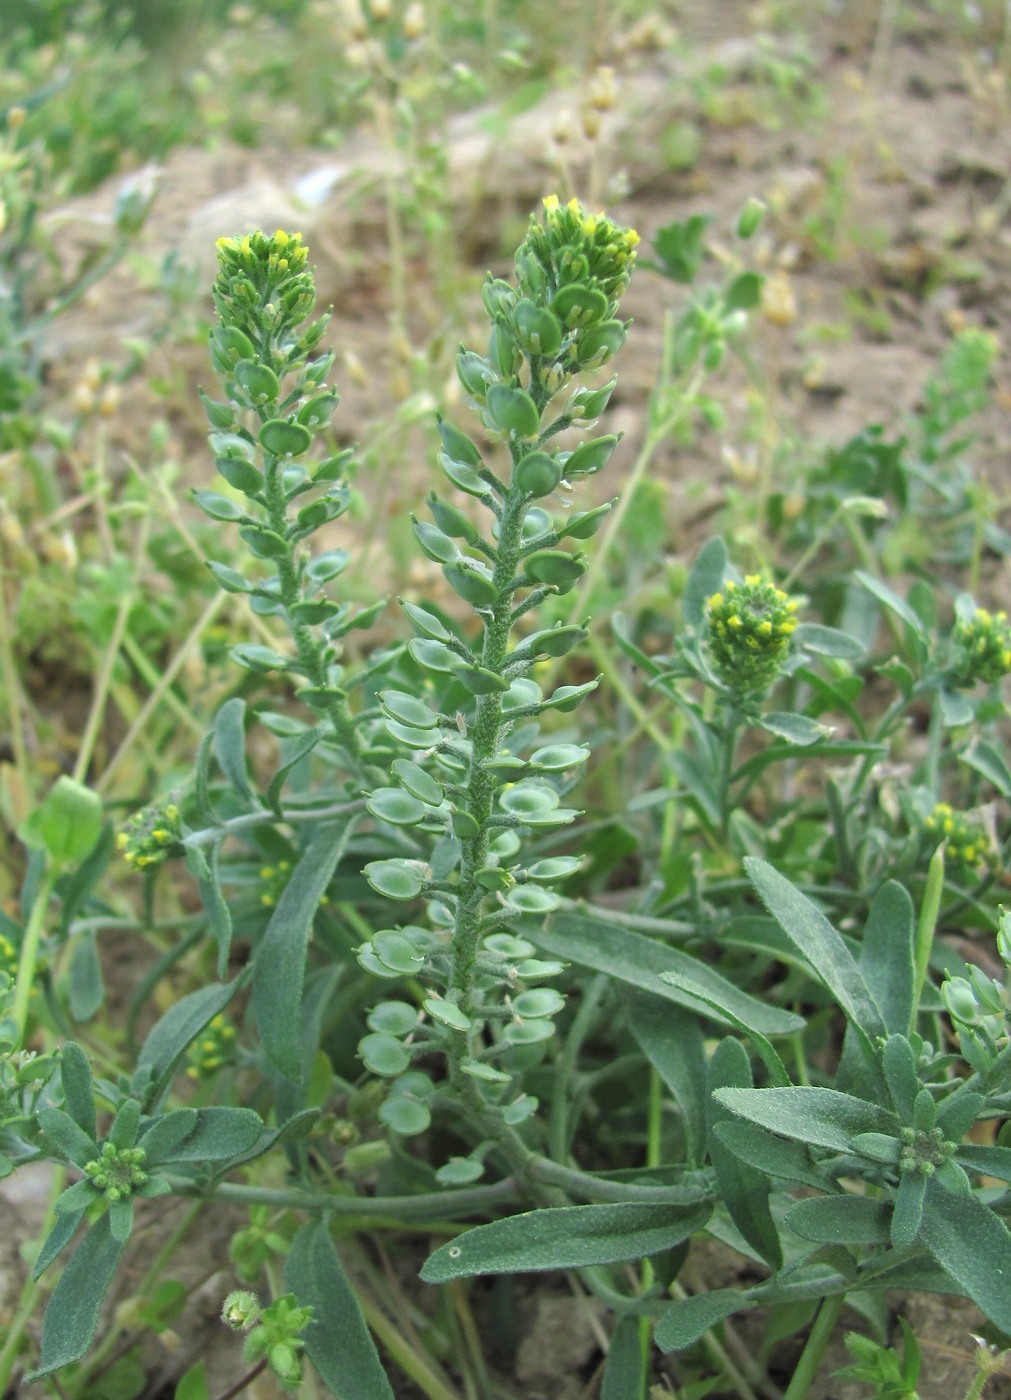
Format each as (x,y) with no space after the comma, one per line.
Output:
(310,650)
(815,1347)
(433,1205)
(15,700)
(290,816)
(559,1134)
(29,956)
(925,926)
(415,1367)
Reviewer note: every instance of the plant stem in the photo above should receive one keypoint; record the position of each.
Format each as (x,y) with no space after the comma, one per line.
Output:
(413,1366)
(310,651)
(15,701)
(29,956)
(925,927)
(290,817)
(815,1346)
(559,1129)
(244,1381)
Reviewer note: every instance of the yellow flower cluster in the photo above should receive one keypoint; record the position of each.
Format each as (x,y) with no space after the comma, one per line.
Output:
(573,246)
(749,632)
(965,843)
(151,837)
(255,252)
(982,648)
(263,282)
(214,1049)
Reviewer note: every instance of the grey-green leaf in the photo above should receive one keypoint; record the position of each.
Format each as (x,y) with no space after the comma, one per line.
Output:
(171,1036)
(848,1220)
(87,986)
(886,955)
(638,962)
(671,1039)
(280,962)
(78,1090)
(67,1136)
(623,1371)
(63,1231)
(230,744)
(568,1237)
(683,1324)
(337,1340)
(823,1117)
(218,1135)
(819,943)
(72,1314)
(973,1245)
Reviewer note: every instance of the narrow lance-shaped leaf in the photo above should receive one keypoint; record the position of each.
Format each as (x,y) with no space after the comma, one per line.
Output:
(569,1237)
(171,1036)
(639,962)
(822,1117)
(78,1089)
(973,1245)
(280,961)
(337,1340)
(230,744)
(744,1189)
(671,1039)
(886,955)
(819,943)
(72,1314)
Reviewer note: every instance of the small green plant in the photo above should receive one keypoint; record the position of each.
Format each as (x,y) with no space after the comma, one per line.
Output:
(427,988)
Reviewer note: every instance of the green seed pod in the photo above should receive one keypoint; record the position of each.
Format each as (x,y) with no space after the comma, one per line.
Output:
(434,544)
(503,353)
(555,641)
(585,522)
(283,439)
(259,381)
(319,513)
(513,412)
(590,403)
(458,447)
(480,681)
(263,542)
(219,507)
(537,474)
(537,331)
(498,297)
(597,345)
(474,373)
(241,474)
(319,410)
(554,567)
(220,415)
(579,306)
(451,521)
(473,586)
(333,468)
(590,456)
(229,345)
